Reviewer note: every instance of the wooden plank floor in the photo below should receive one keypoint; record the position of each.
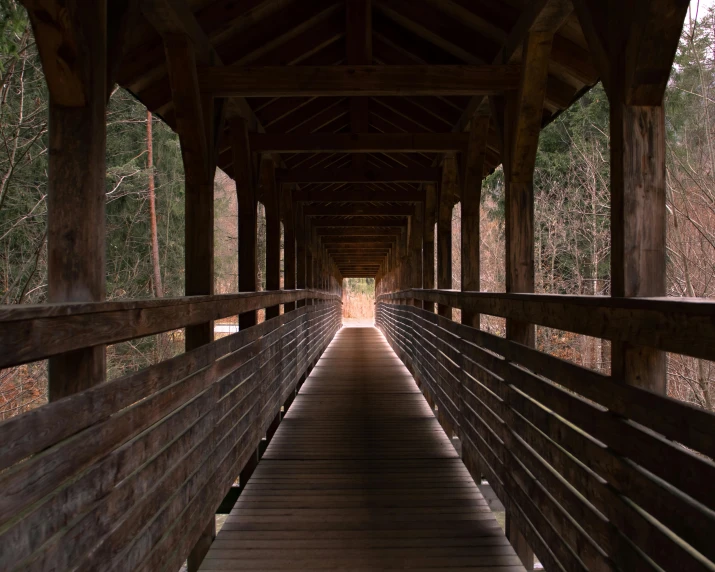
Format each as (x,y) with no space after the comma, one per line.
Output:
(360,476)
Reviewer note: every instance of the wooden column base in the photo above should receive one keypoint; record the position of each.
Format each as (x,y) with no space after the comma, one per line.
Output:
(248,470)
(273,427)
(247,319)
(518,542)
(201,548)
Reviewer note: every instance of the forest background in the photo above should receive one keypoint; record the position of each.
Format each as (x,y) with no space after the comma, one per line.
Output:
(145,203)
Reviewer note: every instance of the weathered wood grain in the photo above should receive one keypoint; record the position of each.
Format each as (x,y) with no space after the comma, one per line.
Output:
(31,333)
(679,325)
(72,43)
(247,214)
(447,198)
(473,168)
(359,469)
(359,142)
(499,414)
(325,81)
(102,479)
(385,175)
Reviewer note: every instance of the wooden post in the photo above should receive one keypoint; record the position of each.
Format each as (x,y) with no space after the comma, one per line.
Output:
(430,219)
(358,27)
(399,259)
(520,125)
(201,548)
(301,261)
(247,216)
(197,126)
(194,125)
(519,122)
(416,238)
(634,59)
(447,192)
(638,230)
(471,202)
(289,247)
(73,48)
(271,201)
(309,269)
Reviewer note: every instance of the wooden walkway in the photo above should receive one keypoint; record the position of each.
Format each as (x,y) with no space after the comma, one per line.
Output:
(360,476)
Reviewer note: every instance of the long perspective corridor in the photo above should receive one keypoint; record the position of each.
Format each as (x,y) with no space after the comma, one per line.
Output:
(361,476)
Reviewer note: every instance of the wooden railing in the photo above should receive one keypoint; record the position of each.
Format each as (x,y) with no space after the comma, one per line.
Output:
(125,475)
(596,474)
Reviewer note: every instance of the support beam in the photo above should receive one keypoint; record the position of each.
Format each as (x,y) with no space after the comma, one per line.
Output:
(519,122)
(635,57)
(520,142)
(122,16)
(471,202)
(541,16)
(289,246)
(271,202)
(638,230)
(357,257)
(527,123)
(357,241)
(359,209)
(417,223)
(301,259)
(380,223)
(247,215)
(347,259)
(330,246)
(347,81)
(369,252)
(72,39)
(359,232)
(447,198)
(386,175)
(430,221)
(358,41)
(195,126)
(359,142)
(634,60)
(359,196)
(174,17)
(201,548)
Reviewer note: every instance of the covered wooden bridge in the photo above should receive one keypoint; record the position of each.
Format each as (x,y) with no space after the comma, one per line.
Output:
(358,124)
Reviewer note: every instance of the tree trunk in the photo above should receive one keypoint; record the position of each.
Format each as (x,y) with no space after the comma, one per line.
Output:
(158,290)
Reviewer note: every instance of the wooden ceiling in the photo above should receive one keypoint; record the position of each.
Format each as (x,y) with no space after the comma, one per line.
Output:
(404,34)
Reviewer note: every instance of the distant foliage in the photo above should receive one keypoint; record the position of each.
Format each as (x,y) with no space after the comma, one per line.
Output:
(359,298)
(572,210)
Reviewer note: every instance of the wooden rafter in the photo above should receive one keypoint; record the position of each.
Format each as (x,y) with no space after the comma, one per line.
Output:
(544,16)
(358,43)
(384,240)
(325,81)
(358,195)
(359,142)
(349,176)
(381,222)
(357,210)
(375,231)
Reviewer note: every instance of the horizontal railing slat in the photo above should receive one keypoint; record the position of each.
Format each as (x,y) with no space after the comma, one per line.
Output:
(558,441)
(679,325)
(31,333)
(125,475)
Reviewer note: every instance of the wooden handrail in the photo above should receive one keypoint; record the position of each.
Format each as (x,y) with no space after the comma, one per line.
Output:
(679,325)
(132,469)
(30,333)
(589,466)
